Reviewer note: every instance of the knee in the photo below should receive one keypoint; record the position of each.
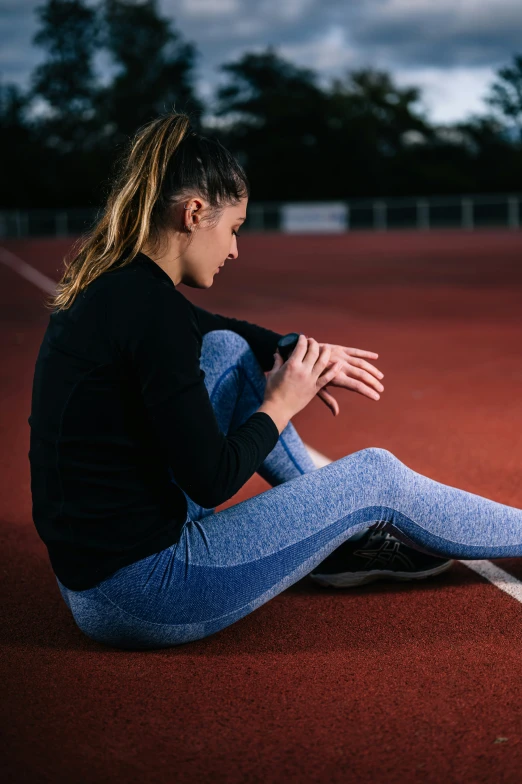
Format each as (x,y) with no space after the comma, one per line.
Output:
(225,344)
(379,454)
(378,457)
(225,340)
(375,465)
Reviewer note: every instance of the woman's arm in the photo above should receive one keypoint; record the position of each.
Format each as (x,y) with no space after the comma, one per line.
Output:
(261,340)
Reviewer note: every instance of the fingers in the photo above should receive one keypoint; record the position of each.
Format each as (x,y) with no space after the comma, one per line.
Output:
(366,365)
(369,379)
(358,352)
(300,348)
(315,354)
(329,400)
(323,359)
(362,389)
(331,373)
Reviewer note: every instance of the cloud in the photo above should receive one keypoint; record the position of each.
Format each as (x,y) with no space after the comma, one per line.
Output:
(394,32)
(329,51)
(198,8)
(18,24)
(449,96)
(449,46)
(446,33)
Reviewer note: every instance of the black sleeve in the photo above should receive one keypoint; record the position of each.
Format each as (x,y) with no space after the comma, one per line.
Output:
(164,351)
(261,340)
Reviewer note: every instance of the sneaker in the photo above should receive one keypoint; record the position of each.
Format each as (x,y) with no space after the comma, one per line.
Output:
(376,555)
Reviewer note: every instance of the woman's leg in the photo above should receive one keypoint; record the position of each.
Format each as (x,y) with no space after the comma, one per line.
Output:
(450,534)
(236,386)
(226,564)
(236,390)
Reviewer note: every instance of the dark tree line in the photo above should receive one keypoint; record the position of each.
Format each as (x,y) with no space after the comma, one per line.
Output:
(361,136)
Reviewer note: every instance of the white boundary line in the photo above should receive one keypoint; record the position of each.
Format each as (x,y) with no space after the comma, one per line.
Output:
(26,271)
(503,581)
(506,582)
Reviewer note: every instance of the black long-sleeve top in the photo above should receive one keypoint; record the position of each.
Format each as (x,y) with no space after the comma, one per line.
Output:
(118,400)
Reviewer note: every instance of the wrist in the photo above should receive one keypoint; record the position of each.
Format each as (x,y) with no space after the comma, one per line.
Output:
(277,413)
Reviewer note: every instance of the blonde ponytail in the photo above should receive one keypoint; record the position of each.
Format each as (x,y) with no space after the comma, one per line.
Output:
(125,224)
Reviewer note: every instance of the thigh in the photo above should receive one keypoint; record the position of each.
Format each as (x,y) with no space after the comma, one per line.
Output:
(229,563)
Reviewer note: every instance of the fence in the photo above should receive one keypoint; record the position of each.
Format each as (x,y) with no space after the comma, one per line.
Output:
(463,211)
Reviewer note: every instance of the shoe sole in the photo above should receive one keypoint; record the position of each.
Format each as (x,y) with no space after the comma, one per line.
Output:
(351,580)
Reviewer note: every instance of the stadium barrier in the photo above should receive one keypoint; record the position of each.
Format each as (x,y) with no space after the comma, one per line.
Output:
(466,212)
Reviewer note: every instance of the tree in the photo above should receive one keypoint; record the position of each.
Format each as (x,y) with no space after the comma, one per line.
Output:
(372,120)
(276,118)
(371,98)
(362,136)
(495,162)
(264,88)
(154,68)
(84,122)
(506,93)
(19,150)
(66,80)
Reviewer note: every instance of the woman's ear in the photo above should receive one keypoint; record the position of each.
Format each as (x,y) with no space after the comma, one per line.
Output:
(193,209)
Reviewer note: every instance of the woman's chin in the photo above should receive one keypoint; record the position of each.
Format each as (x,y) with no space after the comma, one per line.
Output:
(201,283)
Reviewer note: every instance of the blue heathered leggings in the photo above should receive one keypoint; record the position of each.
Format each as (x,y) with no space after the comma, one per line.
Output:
(228,563)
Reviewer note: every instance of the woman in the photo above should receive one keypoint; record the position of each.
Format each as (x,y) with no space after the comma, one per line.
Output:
(133,393)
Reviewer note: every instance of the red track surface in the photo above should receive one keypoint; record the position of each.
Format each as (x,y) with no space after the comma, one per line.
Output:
(387,683)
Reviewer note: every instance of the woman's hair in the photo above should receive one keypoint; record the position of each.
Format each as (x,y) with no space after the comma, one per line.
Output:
(165,163)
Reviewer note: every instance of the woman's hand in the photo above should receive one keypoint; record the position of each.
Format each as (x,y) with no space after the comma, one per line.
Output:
(355,374)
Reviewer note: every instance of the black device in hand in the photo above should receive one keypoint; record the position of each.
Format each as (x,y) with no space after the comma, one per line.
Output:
(287,343)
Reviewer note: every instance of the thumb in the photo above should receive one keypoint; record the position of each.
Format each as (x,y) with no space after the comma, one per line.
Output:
(278,361)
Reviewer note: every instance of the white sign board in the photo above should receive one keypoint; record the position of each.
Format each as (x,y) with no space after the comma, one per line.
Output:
(314,217)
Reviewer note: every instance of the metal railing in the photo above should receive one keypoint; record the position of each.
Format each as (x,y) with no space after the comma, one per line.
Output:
(465,212)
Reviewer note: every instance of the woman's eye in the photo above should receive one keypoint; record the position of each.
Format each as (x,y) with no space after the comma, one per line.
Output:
(236,233)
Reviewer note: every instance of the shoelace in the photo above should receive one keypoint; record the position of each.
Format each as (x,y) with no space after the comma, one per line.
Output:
(380,537)
(379,526)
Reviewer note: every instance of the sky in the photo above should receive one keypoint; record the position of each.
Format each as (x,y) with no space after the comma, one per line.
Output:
(449,48)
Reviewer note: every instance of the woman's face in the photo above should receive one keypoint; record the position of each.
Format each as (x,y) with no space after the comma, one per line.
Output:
(207,249)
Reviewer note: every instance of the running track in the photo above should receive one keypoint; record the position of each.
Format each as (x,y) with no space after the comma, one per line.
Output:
(387,683)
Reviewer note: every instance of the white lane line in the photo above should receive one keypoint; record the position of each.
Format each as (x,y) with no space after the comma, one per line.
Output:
(501,579)
(504,581)
(26,271)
